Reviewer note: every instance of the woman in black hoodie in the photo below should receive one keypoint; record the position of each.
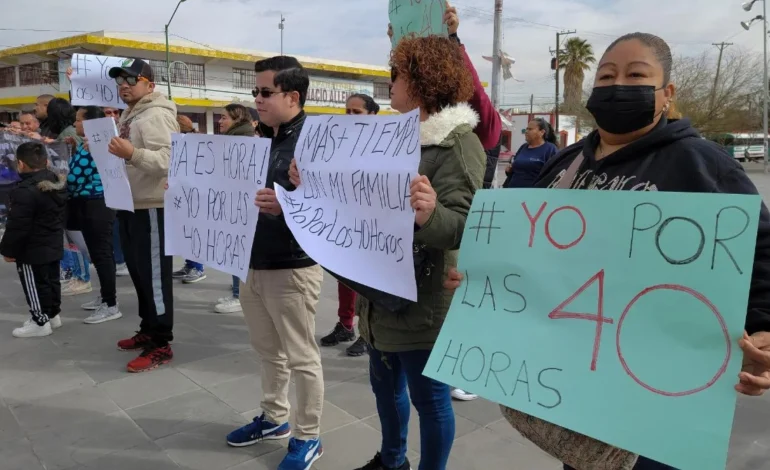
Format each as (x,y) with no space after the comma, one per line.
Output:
(637,148)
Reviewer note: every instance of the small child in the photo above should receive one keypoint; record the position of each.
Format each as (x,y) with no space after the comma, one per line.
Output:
(33,238)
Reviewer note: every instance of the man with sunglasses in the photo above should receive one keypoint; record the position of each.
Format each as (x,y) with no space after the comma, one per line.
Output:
(280,295)
(145,129)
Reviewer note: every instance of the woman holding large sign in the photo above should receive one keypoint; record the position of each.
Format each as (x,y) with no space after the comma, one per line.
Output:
(427,74)
(636,148)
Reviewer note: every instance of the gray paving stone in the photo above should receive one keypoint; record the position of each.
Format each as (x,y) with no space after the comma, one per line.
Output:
(10,429)
(17,454)
(483,449)
(180,413)
(146,456)
(140,389)
(219,369)
(243,394)
(354,396)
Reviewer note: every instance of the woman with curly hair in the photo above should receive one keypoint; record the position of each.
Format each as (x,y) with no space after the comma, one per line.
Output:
(61,121)
(428,74)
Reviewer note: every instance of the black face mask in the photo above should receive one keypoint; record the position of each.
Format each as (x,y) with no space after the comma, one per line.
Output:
(621,109)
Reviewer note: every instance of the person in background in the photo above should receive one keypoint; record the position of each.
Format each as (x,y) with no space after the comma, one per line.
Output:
(15,127)
(236,120)
(30,125)
(428,74)
(191,272)
(33,238)
(61,122)
(114,113)
(88,213)
(75,266)
(532,156)
(145,130)
(254,120)
(41,112)
(357,104)
(280,295)
(636,148)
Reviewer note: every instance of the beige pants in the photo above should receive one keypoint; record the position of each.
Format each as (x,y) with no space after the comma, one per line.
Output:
(279,308)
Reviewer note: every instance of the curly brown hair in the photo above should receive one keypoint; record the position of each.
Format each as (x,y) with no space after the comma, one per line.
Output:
(434,70)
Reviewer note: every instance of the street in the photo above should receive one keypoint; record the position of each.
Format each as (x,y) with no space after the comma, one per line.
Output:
(66,402)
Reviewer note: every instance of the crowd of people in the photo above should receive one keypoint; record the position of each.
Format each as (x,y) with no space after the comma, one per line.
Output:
(635,142)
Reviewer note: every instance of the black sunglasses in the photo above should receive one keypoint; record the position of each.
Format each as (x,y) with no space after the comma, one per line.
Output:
(132,81)
(265,93)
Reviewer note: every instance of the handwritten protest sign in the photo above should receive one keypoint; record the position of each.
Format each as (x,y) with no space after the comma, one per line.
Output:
(58,156)
(352,212)
(419,17)
(210,213)
(112,169)
(91,83)
(614,314)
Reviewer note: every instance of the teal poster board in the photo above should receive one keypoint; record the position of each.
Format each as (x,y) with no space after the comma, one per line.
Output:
(613,314)
(419,17)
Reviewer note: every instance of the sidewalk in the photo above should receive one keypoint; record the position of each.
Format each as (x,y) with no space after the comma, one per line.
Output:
(67,403)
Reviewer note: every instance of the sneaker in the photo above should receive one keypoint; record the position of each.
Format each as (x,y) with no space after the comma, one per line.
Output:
(181,274)
(194,276)
(134,343)
(30,329)
(376,464)
(339,334)
(92,305)
(103,314)
(55,322)
(228,305)
(358,348)
(151,358)
(121,270)
(302,454)
(76,287)
(462,395)
(260,429)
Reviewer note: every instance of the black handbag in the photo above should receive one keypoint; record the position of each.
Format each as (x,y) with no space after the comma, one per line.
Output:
(383,300)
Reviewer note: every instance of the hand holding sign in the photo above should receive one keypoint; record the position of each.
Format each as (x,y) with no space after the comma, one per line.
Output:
(451,20)
(121,148)
(755,375)
(267,202)
(423,199)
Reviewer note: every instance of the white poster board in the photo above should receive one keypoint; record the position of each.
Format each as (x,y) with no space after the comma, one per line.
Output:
(90,81)
(112,169)
(209,206)
(352,212)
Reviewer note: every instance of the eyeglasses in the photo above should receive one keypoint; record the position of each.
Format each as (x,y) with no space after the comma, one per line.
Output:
(132,81)
(265,93)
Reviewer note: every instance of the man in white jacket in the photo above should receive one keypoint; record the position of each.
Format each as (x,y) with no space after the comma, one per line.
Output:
(145,130)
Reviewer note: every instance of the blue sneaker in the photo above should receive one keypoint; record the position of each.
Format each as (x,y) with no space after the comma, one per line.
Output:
(258,430)
(302,454)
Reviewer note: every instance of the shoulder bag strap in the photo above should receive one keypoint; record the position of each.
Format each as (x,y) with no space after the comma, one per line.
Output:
(569,175)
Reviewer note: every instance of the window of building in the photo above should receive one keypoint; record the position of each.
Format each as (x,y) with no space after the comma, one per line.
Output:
(44,73)
(7,77)
(179,73)
(381,91)
(245,79)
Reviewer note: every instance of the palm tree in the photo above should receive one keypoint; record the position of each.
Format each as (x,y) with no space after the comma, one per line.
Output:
(575,59)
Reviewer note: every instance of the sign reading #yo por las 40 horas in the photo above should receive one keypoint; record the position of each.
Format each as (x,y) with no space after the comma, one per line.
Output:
(210,213)
(615,314)
(352,211)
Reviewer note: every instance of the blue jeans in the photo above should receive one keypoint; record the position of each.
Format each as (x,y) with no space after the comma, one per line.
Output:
(642,464)
(116,248)
(390,374)
(193,265)
(75,264)
(236,287)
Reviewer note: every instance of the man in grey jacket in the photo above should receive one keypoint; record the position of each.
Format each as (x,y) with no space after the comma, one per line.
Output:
(145,129)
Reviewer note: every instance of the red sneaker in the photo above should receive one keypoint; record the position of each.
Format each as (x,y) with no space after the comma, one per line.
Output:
(134,343)
(151,358)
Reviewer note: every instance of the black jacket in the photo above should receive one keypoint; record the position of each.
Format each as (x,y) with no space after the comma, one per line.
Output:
(34,233)
(45,130)
(274,245)
(673,157)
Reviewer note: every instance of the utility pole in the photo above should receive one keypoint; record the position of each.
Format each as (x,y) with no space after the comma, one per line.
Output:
(558,50)
(721,46)
(532,104)
(280,26)
(496,59)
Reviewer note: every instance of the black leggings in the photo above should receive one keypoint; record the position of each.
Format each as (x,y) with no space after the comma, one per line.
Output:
(95,220)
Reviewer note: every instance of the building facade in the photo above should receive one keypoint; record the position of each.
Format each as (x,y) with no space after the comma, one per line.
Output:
(203,79)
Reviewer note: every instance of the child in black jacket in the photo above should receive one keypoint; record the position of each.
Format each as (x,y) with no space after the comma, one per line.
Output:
(34,238)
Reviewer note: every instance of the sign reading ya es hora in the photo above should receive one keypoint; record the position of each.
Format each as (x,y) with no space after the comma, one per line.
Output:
(210,213)
(352,211)
(615,315)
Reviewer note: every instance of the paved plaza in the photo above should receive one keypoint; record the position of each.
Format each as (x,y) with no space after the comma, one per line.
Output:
(66,402)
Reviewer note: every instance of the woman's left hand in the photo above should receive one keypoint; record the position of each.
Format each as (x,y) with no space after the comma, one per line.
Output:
(754,379)
(423,199)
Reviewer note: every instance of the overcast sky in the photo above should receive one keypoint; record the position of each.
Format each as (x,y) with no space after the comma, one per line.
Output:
(355,30)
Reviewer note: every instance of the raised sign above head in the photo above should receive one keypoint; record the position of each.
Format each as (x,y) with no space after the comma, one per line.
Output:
(419,17)
(91,83)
